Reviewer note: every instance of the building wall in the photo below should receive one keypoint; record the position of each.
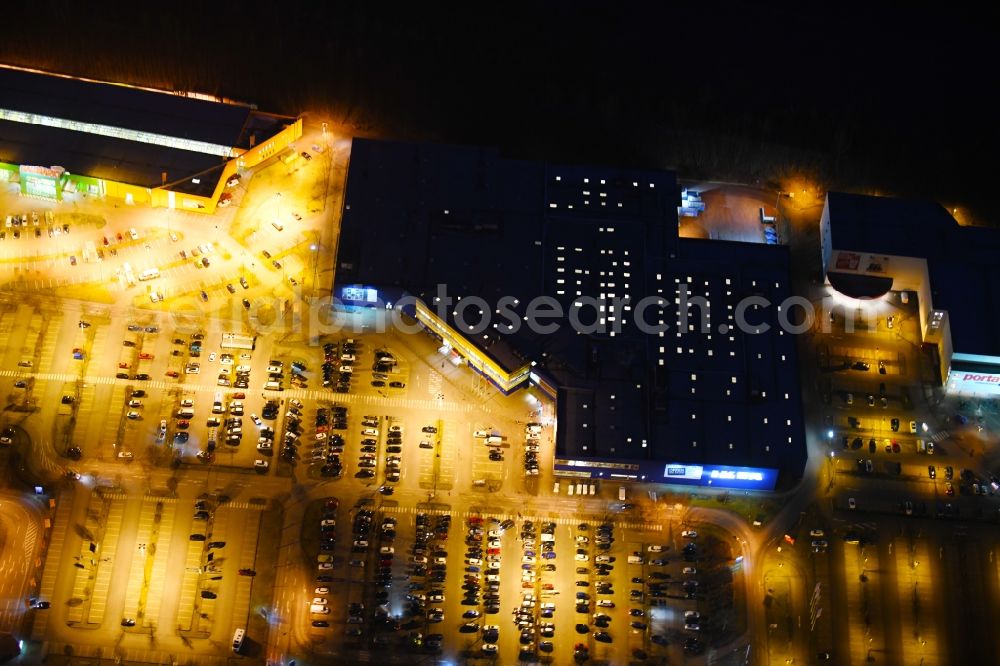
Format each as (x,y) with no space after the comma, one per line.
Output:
(272,146)
(160,197)
(825,235)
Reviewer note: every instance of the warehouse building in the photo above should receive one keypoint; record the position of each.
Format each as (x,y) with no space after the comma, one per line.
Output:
(893,257)
(646,386)
(64,137)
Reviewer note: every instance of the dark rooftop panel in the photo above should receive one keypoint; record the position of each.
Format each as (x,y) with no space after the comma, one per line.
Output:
(122,106)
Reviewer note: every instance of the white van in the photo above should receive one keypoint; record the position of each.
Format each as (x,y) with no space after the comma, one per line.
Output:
(494,440)
(319,609)
(580,490)
(149,274)
(569,488)
(185,413)
(555,488)
(634,559)
(272,386)
(479,482)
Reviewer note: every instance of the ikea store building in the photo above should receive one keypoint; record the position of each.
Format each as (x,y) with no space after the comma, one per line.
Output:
(62,137)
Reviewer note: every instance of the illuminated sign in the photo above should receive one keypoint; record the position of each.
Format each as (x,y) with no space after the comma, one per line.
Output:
(980,379)
(53,172)
(741,476)
(979,383)
(675,471)
(359,294)
(718,475)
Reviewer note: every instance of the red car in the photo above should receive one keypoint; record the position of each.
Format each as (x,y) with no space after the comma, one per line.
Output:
(331,503)
(172,373)
(183,424)
(118,235)
(146,357)
(493,551)
(123,365)
(239,396)
(106,241)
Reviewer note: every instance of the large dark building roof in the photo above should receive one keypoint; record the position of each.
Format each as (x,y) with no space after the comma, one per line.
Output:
(961,260)
(418,215)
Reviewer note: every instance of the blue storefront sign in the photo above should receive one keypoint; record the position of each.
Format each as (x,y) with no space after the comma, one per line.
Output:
(749,478)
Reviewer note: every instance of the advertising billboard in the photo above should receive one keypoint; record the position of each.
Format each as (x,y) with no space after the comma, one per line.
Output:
(974,383)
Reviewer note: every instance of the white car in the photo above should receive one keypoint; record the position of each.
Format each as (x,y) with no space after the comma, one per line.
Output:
(192,368)
(320,436)
(321,590)
(132,415)
(481,434)
(689,534)
(256,420)
(369,432)
(689,571)
(528,559)
(163,427)
(489,648)
(581,557)
(655,549)
(396,428)
(211,357)
(851,504)
(261,464)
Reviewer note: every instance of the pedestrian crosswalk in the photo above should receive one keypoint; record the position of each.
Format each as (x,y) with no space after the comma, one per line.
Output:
(257,506)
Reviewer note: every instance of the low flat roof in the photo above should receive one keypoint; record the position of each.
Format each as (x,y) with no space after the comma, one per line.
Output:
(111,159)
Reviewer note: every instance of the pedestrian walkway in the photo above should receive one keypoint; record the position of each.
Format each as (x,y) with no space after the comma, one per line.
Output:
(558,520)
(105,566)
(53,559)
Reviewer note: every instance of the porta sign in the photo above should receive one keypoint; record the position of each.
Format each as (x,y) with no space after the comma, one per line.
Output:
(977,383)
